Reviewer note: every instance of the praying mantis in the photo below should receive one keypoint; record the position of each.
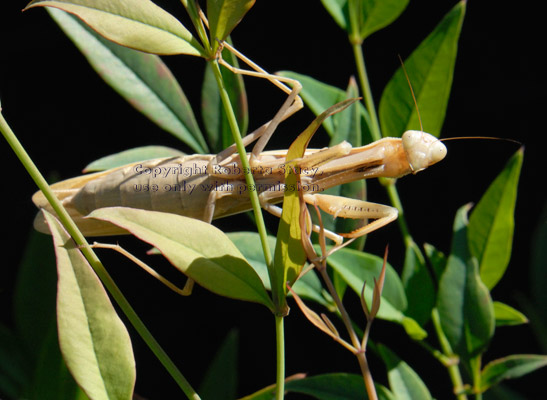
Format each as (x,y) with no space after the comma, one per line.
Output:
(207,187)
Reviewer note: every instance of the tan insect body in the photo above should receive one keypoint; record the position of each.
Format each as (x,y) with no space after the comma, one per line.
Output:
(196,187)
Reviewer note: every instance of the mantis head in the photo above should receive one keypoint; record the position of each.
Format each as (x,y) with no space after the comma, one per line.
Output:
(422,150)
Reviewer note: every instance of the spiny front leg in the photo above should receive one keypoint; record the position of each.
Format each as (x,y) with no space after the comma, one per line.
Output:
(355,209)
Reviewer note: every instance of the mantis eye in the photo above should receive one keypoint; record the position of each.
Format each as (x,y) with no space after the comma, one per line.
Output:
(422,150)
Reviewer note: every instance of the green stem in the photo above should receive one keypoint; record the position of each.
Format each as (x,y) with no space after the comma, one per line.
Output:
(280,353)
(257,210)
(367,93)
(361,355)
(453,370)
(261,226)
(389,184)
(94,261)
(476,367)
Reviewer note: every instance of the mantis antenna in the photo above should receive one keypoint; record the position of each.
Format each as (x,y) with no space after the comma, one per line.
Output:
(412,92)
(450,138)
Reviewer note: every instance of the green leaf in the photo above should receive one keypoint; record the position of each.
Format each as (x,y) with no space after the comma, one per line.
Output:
(338,11)
(377,14)
(430,69)
(138,24)
(318,96)
(491,225)
(465,307)
(188,244)
(224,15)
(307,286)
(437,260)
(369,16)
(131,156)
(510,367)
(356,267)
(142,79)
(214,117)
(507,315)
(335,386)
(418,285)
(223,369)
(94,342)
(404,382)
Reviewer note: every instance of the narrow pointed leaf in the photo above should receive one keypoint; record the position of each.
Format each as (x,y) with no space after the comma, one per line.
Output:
(404,382)
(224,15)
(510,367)
(507,315)
(315,319)
(94,342)
(289,254)
(491,224)
(465,307)
(140,78)
(197,249)
(138,24)
(430,69)
(131,156)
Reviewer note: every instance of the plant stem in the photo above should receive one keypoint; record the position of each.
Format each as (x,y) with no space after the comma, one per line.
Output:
(367,93)
(280,355)
(389,184)
(257,210)
(94,261)
(476,367)
(453,370)
(361,356)
(261,226)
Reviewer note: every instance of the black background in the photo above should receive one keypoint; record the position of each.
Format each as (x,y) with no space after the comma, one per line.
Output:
(66,117)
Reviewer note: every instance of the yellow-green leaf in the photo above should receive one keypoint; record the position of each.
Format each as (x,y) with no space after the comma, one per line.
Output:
(197,249)
(139,24)
(94,342)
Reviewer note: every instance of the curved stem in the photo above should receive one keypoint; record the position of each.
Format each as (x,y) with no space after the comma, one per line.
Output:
(94,261)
